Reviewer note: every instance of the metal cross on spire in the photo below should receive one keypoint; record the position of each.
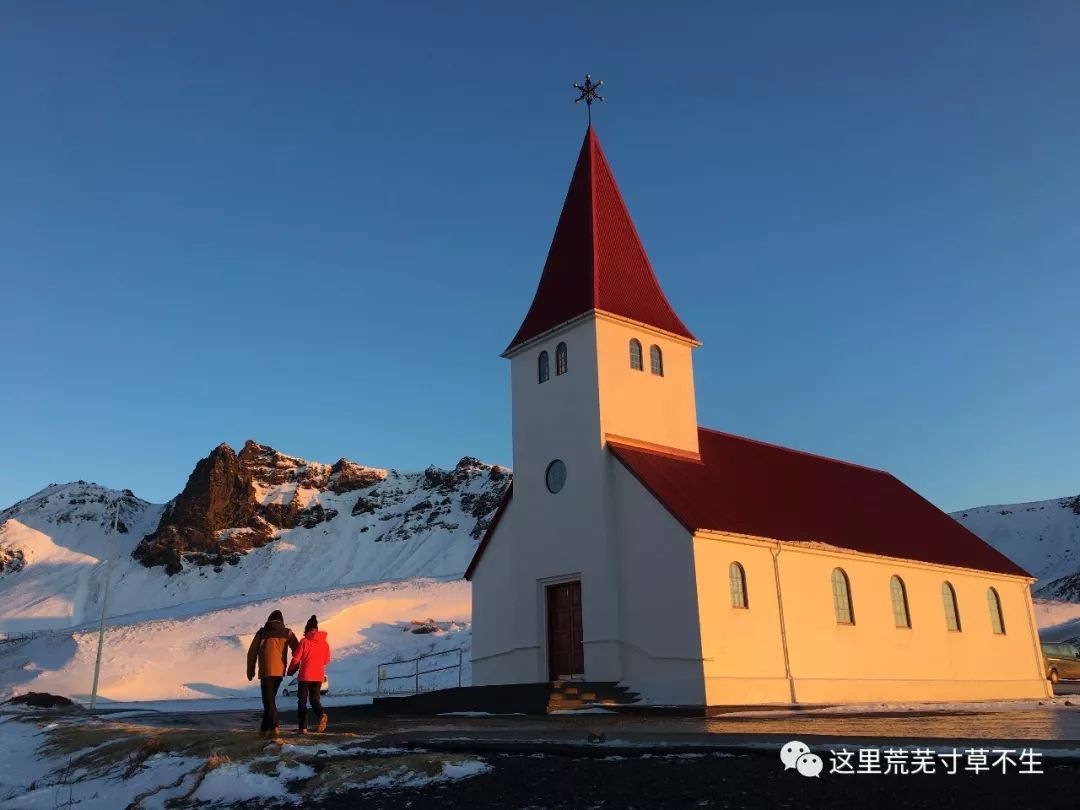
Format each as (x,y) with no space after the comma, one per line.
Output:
(588,93)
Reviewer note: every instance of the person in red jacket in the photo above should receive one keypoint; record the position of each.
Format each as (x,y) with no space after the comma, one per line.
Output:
(310,659)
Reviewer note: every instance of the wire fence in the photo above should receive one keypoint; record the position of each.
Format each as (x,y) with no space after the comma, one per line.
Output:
(30,635)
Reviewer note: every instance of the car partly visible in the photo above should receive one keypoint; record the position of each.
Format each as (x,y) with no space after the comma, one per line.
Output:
(1062,661)
(292,687)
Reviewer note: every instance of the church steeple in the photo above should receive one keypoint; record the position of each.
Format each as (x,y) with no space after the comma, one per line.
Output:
(596,261)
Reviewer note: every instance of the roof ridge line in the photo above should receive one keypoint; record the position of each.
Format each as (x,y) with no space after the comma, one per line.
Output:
(797,451)
(594,144)
(634,231)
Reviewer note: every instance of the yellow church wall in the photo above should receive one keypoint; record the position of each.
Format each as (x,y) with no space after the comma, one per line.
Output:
(872,659)
(639,405)
(743,657)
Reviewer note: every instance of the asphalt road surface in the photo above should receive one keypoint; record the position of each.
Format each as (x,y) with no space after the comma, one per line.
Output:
(721,781)
(1055,726)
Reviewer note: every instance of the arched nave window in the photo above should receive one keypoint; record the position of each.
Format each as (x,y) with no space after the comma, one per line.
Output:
(737,580)
(997,620)
(952,610)
(841,596)
(543,370)
(635,355)
(900,612)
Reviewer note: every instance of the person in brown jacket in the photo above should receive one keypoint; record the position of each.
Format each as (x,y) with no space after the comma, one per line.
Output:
(270,648)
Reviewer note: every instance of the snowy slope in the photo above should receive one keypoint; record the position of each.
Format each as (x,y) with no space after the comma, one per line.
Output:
(61,535)
(203,655)
(1043,537)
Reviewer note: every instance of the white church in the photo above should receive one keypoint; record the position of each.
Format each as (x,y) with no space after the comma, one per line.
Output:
(696,567)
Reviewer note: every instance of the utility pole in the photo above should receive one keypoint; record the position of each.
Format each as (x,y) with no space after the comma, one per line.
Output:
(105,606)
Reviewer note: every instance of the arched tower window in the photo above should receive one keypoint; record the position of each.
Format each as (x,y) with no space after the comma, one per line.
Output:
(901,615)
(737,580)
(841,595)
(560,359)
(543,369)
(952,610)
(997,620)
(635,355)
(656,360)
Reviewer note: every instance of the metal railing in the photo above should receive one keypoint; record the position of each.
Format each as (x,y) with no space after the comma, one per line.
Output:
(417,671)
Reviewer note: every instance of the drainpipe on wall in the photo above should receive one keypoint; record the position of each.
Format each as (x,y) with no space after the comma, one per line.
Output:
(1040,662)
(783,628)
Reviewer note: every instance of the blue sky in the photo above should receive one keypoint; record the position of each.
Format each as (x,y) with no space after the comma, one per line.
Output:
(317,225)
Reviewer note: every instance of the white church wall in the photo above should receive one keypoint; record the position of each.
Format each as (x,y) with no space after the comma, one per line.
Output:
(505,645)
(658,597)
(545,537)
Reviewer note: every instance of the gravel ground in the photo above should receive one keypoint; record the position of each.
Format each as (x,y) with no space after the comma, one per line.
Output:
(736,781)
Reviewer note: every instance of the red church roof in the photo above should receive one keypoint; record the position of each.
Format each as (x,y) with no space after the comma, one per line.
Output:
(596,260)
(750,487)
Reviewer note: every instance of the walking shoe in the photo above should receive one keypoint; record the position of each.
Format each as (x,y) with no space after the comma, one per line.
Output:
(322,722)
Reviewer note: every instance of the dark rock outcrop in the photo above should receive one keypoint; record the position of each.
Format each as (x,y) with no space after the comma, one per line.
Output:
(218,497)
(314,515)
(41,700)
(347,476)
(11,560)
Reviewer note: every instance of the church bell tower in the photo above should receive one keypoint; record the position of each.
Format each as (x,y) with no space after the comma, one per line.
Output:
(601,354)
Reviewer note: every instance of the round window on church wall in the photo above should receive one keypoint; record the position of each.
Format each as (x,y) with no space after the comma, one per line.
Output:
(555,476)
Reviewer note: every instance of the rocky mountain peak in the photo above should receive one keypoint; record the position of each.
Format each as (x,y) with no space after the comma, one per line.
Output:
(272,468)
(77,503)
(218,496)
(346,476)
(234,502)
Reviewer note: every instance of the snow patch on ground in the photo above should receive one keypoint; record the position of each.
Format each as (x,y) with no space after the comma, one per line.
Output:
(236,783)
(84,762)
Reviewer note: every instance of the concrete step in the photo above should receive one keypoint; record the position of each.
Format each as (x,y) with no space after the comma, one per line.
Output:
(570,695)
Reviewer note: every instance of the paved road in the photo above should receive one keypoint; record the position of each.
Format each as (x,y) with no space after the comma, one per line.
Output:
(739,781)
(1054,726)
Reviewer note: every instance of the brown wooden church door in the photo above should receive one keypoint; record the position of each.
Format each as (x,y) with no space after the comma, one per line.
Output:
(566,653)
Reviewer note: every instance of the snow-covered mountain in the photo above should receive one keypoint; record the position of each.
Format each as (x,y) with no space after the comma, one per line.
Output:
(1043,537)
(247,525)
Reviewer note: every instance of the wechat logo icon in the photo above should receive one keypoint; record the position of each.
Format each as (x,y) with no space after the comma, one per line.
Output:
(798,755)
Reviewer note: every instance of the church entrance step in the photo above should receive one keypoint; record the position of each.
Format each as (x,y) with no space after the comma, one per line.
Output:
(572,695)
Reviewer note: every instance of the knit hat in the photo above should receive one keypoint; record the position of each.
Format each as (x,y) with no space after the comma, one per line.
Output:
(276,617)
(312,624)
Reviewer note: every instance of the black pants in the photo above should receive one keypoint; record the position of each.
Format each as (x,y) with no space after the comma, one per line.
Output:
(307,690)
(269,698)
